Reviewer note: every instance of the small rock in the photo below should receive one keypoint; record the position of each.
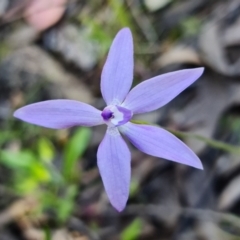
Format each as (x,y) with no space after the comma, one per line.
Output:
(5,110)
(154,5)
(74,45)
(3,6)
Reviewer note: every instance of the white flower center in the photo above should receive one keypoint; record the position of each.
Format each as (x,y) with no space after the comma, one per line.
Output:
(115,115)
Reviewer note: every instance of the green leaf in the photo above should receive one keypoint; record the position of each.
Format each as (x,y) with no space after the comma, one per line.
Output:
(74,150)
(25,185)
(132,231)
(122,15)
(45,149)
(61,205)
(28,172)
(66,205)
(190,26)
(134,187)
(40,172)
(16,160)
(97,33)
(47,233)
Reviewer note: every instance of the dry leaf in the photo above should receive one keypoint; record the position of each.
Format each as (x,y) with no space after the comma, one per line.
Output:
(179,54)
(230,194)
(42,14)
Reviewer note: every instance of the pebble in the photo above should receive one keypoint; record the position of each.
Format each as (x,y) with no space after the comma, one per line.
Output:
(74,45)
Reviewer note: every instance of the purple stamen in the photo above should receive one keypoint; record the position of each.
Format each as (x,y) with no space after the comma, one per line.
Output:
(107,114)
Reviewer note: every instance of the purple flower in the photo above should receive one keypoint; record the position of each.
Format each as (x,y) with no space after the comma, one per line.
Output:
(113,156)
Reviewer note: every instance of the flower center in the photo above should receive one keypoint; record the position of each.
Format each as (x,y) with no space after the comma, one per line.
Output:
(116,115)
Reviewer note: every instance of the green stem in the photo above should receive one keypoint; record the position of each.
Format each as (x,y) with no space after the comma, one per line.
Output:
(210,142)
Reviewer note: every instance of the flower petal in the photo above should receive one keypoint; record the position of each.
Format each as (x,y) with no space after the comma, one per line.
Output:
(117,74)
(60,114)
(158,142)
(113,158)
(158,91)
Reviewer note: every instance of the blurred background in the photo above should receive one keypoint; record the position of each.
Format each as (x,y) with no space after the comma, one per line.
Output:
(50,188)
